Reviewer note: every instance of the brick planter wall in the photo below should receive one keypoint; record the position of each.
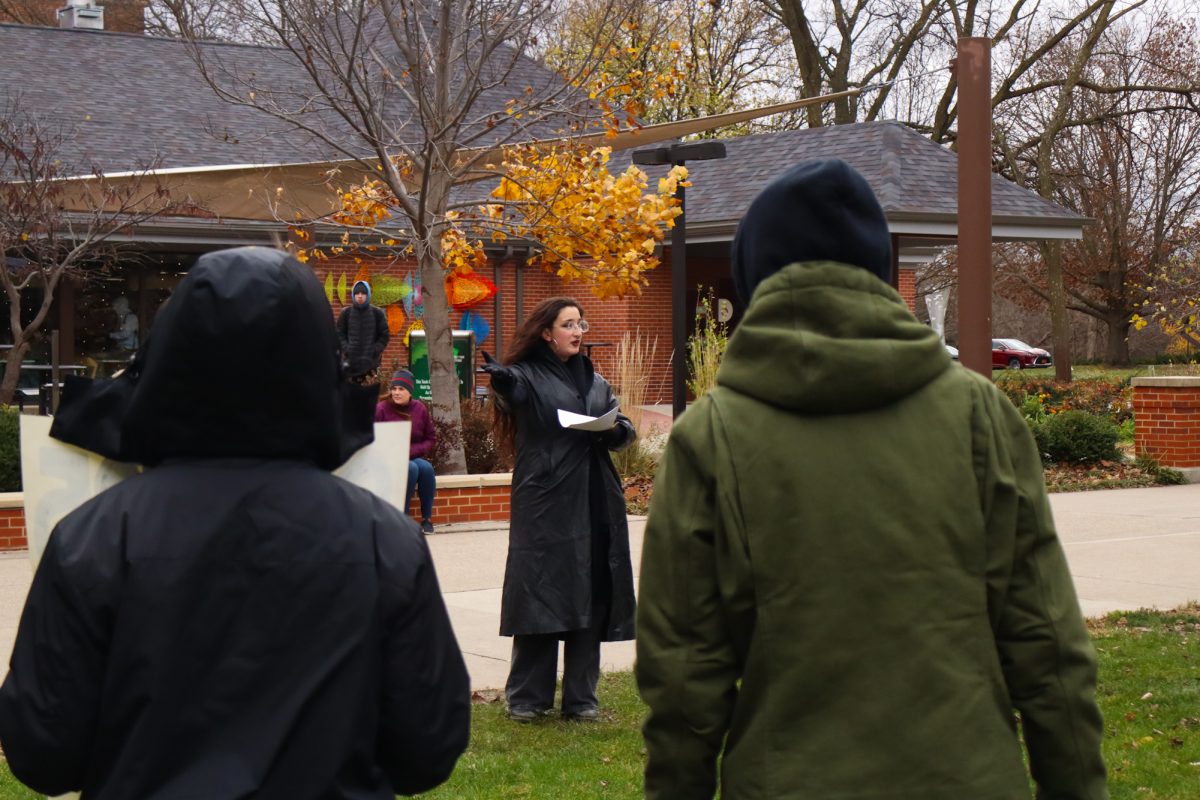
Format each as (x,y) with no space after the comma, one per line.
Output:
(460,498)
(1166,413)
(12,522)
(468,498)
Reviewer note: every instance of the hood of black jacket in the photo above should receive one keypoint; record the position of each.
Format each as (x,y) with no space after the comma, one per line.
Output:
(242,361)
(829,338)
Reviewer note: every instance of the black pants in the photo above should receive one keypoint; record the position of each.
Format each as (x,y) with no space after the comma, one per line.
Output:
(535,663)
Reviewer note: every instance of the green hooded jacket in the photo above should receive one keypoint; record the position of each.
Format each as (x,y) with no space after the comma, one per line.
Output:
(850,576)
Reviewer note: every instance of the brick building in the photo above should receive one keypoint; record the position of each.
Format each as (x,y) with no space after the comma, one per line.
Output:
(132,97)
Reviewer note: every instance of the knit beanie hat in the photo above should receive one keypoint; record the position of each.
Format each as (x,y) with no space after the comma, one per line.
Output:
(819,210)
(403,378)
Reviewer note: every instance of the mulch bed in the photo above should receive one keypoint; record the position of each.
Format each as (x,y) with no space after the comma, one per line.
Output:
(637,493)
(1101,475)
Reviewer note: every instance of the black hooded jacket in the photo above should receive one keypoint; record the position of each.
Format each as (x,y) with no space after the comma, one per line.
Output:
(234,622)
(364,332)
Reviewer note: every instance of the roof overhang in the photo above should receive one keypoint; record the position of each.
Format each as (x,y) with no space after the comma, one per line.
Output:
(941,230)
(1004,228)
(308,191)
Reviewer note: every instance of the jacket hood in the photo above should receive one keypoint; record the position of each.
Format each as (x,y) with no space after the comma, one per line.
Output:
(828,338)
(366,287)
(243,360)
(819,210)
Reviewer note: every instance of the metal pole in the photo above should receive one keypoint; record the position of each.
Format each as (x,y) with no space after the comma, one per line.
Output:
(519,311)
(679,309)
(498,304)
(895,281)
(975,204)
(53,371)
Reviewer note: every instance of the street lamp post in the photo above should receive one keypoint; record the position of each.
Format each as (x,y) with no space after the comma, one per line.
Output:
(678,154)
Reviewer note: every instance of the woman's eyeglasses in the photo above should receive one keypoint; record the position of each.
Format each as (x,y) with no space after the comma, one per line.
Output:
(582,325)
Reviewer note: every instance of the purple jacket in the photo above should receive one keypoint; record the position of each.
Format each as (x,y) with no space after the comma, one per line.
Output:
(423,434)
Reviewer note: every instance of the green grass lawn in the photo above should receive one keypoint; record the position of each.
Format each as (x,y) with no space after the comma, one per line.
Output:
(1091,371)
(1149,692)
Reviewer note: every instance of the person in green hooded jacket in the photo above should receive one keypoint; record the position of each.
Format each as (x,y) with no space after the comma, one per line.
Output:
(851,579)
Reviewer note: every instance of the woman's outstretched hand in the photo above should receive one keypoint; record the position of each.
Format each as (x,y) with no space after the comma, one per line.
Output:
(502,377)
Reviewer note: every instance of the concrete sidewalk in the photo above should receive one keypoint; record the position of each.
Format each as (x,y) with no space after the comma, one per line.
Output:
(1128,548)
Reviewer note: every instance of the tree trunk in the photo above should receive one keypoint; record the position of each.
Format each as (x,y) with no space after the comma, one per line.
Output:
(1060,327)
(1118,340)
(443,377)
(12,371)
(807,55)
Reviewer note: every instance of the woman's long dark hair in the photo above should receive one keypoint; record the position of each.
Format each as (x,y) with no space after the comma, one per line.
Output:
(529,335)
(524,344)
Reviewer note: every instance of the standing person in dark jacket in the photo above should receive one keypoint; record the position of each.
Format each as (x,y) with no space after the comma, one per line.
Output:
(363,329)
(568,576)
(850,575)
(399,406)
(235,621)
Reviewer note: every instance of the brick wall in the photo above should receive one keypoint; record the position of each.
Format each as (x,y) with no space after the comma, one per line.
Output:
(344,268)
(12,529)
(908,287)
(460,498)
(1166,413)
(466,504)
(649,312)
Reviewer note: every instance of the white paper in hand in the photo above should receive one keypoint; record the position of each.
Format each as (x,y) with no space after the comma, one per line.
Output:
(582,422)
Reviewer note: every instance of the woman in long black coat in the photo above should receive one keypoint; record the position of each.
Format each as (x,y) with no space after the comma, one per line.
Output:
(568,575)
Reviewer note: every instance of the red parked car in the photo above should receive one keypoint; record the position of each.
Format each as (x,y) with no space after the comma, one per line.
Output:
(1015,354)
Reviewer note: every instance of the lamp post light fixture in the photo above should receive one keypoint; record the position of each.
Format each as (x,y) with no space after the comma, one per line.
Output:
(678,154)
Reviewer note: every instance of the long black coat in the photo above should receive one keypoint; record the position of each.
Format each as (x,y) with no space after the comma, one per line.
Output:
(234,622)
(568,546)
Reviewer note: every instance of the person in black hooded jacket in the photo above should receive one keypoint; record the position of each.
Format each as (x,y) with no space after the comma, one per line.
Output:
(363,329)
(568,575)
(235,621)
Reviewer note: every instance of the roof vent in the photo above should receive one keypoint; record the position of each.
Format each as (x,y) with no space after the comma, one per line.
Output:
(81,14)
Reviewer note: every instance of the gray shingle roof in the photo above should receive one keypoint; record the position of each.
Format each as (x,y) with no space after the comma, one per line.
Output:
(134,98)
(909,173)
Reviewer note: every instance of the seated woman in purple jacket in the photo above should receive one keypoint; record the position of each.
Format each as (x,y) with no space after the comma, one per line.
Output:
(399,406)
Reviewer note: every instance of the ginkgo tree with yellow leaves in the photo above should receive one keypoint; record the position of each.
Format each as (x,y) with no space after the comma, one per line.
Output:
(429,96)
(1172,298)
(590,225)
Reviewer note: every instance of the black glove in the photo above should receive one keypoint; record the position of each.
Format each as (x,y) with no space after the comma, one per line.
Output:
(613,438)
(502,377)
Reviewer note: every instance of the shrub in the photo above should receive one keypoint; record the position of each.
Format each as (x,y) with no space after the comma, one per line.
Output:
(484,450)
(1033,408)
(635,356)
(1077,436)
(1108,397)
(449,435)
(1165,476)
(1125,431)
(706,347)
(10,449)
